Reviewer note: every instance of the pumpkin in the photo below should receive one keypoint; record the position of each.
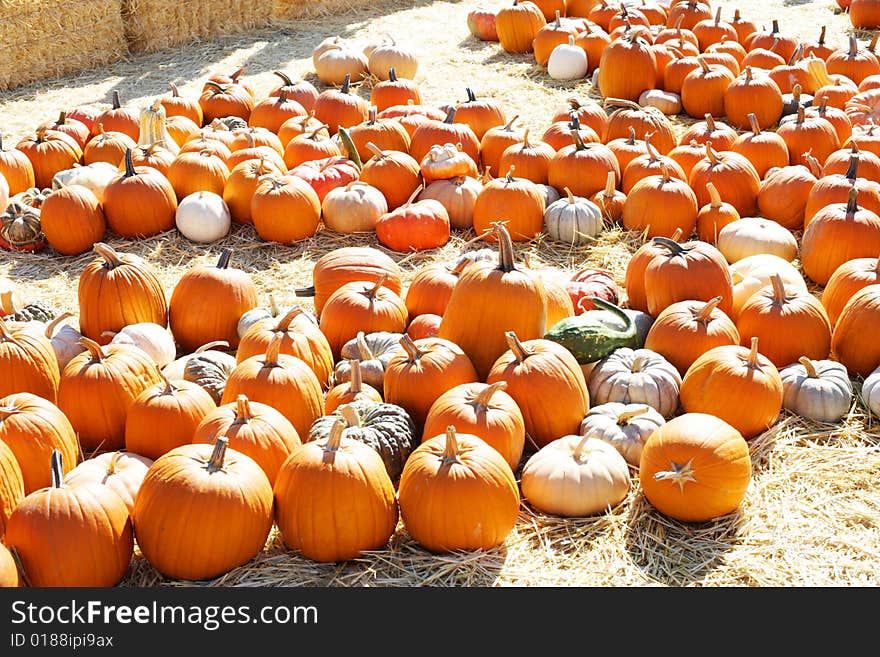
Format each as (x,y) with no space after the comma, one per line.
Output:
(446,131)
(64,340)
(766,150)
(203,217)
(430,289)
(384,133)
(625,427)
(347,264)
(517,25)
(49,152)
(567,61)
(239,189)
(11,485)
(515,200)
(754,273)
(754,235)
(714,216)
(140,202)
(392,90)
(847,279)
(33,427)
(538,372)
(691,270)
(353,389)
(337,62)
(254,429)
(9,576)
(91,518)
(206,366)
(835,188)
(635,376)
(223,100)
(808,133)
(647,164)
(153,339)
(446,161)
(783,195)
(309,482)
(496,140)
(395,174)
(627,67)
(313,145)
(354,208)
(439,473)
(581,167)
(341,108)
(278,199)
(850,341)
(869,392)
(72,219)
(228,493)
(703,89)
(121,472)
(571,220)
(695,468)
(531,160)
(373,351)
(560,134)
(417,225)
(610,200)
(107,146)
(660,204)
(491,299)
(118,118)
(207,302)
(177,105)
(16,168)
(735,178)
(28,362)
(575,476)
(423,370)
(750,94)
(484,410)
(816,389)
(718,381)
(20,228)
(685,330)
(790,322)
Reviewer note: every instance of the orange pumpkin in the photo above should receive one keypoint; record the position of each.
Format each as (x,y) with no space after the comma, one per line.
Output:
(121,472)
(735,178)
(16,167)
(243,180)
(197,171)
(714,216)
(517,201)
(285,209)
(72,219)
(140,202)
(11,486)
(583,168)
(27,361)
(847,279)
(852,342)
(660,204)
(764,149)
(517,25)
(695,468)
(9,577)
(394,173)
(417,225)
(49,152)
(107,147)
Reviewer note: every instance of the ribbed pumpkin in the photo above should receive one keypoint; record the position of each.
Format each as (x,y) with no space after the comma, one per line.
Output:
(115,290)
(354,389)
(16,167)
(221,100)
(107,147)
(140,202)
(197,171)
(32,427)
(648,164)
(430,289)
(496,140)
(852,342)
(710,130)
(531,159)
(285,209)
(714,216)
(439,482)
(340,108)
(704,88)
(27,361)
(719,380)
(436,132)
(766,150)
(749,94)
(165,416)
(422,371)
(254,429)
(72,219)
(783,195)
(735,178)
(517,25)
(660,204)
(582,167)
(484,410)
(53,527)
(313,480)
(695,468)
(49,152)
(789,321)
(97,389)
(847,279)
(491,299)
(301,338)
(11,485)
(243,180)
(812,134)
(224,524)
(119,118)
(685,330)
(547,384)
(361,306)
(516,200)
(121,472)
(387,134)
(394,173)
(692,270)
(394,91)
(417,225)
(177,105)
(283,382)
(627,68)
(634,277)
(836,188)
(207,302)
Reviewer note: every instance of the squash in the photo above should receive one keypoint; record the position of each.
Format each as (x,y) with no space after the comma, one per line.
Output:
(590,339)
(816,389)
(636,376)
(624,426)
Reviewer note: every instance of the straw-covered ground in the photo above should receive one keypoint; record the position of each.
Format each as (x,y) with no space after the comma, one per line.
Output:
(812,513)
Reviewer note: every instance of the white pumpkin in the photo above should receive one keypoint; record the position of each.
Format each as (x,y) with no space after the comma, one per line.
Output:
(94,176)
(273,312)
(575,476)
(568,61)
(753,273)
(203,217)
(816,389)
(871,392)
(667,102)
(624,426)
(122,471)
(385,56)
(636,376)
(753,236)
(153,339)
(64,339)
(574,219)
(353,208)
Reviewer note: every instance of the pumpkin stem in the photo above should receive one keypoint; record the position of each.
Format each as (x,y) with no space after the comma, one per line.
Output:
(243,412)
(211,345)
(350,415)
(129,164)
(356,382)
(471,96)
(111,467)
(346,84)
(5,334)
(373,291)
(412,350)
(509,125)
(753,124)
(621,102)
(273,350)
(677,474)
(450,454)
(284,78)
(852,169)
(675,249)
(56,463)
(753,353)
(170,388)
(578,452)
(852,202)
(223,261)
(704,65)
(115,99)
(705,314)
(284,323)
(610,185)
(571,200)
(364,350)
(481,401)
(624,417)
(519,350)
(378,152)
(450,116)
(51,326)
(350,148)
(809,366)
(215,463)
(525,141)
(506,261)
(711,154)
(95,350)
(714,197)
(778,289)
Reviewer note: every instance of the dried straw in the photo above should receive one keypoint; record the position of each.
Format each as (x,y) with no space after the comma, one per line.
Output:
(45,39)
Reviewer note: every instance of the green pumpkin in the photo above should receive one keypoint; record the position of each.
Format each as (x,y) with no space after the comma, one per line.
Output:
(591,339)
(387,428)
(36,311)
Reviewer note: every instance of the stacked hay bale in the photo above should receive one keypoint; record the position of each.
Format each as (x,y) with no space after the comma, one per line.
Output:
(290,10)
(50,38)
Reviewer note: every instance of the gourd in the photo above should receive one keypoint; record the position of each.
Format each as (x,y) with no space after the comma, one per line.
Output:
(590,339)
(624,426)
(152,127)
(816,389)
(636,376)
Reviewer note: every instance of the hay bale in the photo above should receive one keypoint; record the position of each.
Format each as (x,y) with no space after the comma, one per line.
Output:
(284,11)
(46,38)
(154,25)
